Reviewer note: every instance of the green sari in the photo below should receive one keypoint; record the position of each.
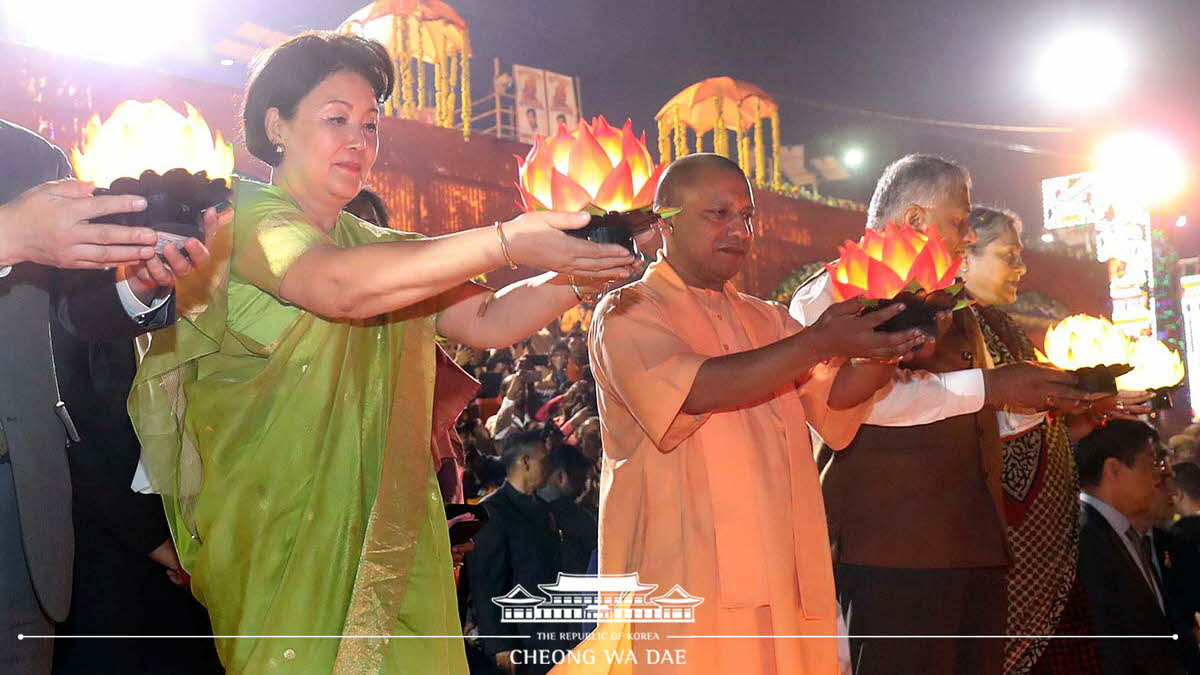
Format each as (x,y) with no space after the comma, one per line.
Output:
(293,456)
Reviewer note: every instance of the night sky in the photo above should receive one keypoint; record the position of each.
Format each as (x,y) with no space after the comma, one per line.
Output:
(965,61)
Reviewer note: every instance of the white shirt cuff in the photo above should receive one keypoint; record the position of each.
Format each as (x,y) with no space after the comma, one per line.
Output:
(134,307)
(5,270)
(1014,424)
(967,387)
(920,397)
(141,480)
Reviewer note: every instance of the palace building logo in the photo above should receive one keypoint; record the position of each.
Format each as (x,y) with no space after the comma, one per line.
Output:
(576,598)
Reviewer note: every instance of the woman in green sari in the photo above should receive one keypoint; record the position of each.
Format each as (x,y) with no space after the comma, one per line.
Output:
(286,418)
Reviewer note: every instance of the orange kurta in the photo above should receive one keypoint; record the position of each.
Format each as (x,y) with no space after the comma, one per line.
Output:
(727,504)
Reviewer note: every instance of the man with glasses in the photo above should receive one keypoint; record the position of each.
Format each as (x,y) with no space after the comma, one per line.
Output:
(1123,475)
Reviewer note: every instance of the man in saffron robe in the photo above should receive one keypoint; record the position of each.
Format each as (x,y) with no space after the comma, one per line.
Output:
(708,479)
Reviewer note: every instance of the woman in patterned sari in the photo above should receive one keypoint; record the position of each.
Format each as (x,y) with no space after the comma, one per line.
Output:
(1041,489)
(286,418)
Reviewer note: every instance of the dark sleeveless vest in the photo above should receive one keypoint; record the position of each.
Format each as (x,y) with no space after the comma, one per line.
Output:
(927,496)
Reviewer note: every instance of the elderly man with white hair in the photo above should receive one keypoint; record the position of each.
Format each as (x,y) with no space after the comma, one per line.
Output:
(914,503)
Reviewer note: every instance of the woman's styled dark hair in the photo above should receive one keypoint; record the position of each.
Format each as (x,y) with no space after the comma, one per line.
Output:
(289,70)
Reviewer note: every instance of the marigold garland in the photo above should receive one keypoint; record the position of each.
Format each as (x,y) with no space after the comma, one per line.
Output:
(681,141)
(404,65)
(720,138)
(465,92)
(420,56)
(760,151)
(776,182)
(664,141)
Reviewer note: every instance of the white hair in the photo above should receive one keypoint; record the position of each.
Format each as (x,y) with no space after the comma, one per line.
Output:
(923,180)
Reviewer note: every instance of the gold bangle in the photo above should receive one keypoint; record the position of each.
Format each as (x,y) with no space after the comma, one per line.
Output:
(504,247)
(590,298)
(575,287)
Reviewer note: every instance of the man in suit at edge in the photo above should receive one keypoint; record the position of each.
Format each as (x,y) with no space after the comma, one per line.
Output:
(43,226)
(1120,472)
(1176,562)
(519,545)
(1187,479)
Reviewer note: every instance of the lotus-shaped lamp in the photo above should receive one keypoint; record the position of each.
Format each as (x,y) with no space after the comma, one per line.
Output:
(898,264)
(596,168)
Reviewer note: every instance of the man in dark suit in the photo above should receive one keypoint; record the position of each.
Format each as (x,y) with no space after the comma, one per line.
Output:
(44,225)
(1121,471)
(1187,479)
(569,475)
(1176,563)
(127,579)
(519,545)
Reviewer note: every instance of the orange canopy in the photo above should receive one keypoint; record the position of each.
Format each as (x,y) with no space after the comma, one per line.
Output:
(698,108)
(438,27)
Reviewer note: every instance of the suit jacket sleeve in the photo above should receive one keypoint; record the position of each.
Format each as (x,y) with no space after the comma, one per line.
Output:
(87,305)
(489,569)
(1099,578)
(100,484)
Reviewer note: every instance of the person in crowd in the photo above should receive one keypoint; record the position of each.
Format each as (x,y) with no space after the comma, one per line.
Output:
(570,472)
(570,408)
(1187,480)
(556,379)
(577,362)
(520,402)
(590,439)
(541,341)
(1183,446)
(1121,473)
(927,556)
(519,545)
(704,393)
(577,319)
(50,316)
(471,360)
(307,357)
(1174,563)
(1039,479)
(500,361)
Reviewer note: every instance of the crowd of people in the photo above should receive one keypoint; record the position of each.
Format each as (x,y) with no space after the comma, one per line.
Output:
(350,437)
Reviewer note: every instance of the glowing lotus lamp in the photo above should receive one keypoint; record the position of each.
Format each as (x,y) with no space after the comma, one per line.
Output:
(595,168)
(1156,368)
(150,136)
(897,264)
(172,159)
(1092,348)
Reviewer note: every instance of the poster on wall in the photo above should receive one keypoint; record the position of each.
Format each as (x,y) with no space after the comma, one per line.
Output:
(562,105)
(530,99)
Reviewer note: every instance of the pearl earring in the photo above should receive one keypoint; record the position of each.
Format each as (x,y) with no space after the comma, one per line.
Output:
(279,148)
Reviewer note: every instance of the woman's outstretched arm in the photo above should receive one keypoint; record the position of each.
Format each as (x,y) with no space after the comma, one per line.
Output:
(366,281)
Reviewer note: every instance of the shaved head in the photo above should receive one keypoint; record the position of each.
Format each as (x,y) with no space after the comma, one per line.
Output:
(688,171)
(707,240)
